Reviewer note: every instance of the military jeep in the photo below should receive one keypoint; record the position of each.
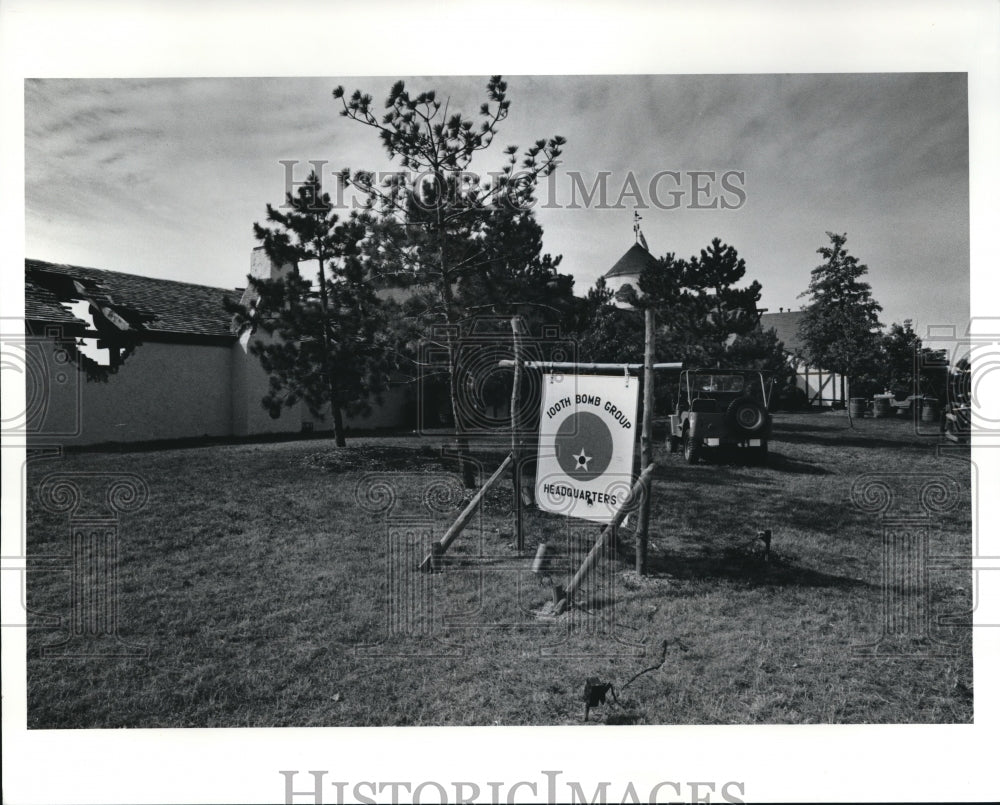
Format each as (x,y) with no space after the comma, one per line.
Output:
(721,408)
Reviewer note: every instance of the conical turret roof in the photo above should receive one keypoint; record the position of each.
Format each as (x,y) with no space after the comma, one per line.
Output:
(632,263)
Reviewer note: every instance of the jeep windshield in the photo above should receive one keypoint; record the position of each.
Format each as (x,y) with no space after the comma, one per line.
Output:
(711,384)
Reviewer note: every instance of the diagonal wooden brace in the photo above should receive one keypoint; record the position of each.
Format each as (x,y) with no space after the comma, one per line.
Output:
(433,559)
(641,485)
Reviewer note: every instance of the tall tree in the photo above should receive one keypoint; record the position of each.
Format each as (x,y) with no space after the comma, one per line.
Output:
(724,309)
(900,349)
(700,308)
(434,215)
(603,332)
(703,318)
(332,348)
(513,276)
(761,350)
(841,328)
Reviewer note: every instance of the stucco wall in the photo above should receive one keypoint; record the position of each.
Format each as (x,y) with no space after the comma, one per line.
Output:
(168,391)
(162,391)
(249,385)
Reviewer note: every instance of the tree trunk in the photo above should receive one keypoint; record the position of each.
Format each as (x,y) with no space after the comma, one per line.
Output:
(338,426)
(850,417)
(461,440)
(338,422)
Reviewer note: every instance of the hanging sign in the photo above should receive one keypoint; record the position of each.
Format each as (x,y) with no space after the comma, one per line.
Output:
(586,440)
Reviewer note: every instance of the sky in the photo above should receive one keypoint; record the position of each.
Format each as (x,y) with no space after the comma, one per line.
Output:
(164,177)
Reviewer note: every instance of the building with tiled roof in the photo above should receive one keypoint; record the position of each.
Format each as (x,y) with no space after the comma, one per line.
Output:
(116,357)
(632,263)
(165,310)
(625,273)
(819,386)
(786,326)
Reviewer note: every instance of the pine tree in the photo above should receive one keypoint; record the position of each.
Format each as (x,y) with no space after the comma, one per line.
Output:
(841,328)
(761,350)
(332,348)
(512,275)
(900,348)
(702,319)
(699,309)
(605,333)
(723,310)
(436,232)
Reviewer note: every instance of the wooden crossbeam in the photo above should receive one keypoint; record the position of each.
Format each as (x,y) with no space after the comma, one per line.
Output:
(631,367)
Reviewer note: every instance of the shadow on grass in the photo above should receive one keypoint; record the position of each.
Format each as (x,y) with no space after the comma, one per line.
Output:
(782,463)
(717,457)
(389,458)
(856,439)
(673,469)
(892,434)
(745,566)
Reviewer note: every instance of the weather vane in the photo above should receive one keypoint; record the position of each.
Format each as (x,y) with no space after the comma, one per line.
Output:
(638,231)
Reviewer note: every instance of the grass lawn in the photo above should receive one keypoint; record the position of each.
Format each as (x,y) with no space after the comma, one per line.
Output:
(267,590)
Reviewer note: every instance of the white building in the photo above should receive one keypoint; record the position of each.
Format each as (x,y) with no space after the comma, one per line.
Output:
(821,387)
(188,375)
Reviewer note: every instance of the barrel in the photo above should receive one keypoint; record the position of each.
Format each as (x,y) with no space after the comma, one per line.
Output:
(858,406)
(883,406)
(931,410)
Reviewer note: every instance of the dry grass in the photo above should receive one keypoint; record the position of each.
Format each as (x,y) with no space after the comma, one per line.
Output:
(255,580)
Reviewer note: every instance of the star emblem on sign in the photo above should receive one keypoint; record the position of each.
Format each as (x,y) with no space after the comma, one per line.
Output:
(584,446)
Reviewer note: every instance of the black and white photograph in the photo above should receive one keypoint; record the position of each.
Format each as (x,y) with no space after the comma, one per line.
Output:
(501,407)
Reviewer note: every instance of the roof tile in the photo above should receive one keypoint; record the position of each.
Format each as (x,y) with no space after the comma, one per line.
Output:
(786,325)
(632,263)
(171,307)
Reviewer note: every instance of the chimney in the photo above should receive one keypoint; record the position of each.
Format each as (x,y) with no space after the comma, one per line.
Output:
(262,267)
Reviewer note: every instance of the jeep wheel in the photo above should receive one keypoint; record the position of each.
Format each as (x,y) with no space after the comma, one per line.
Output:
(692,448)
(673,444)
(747,415)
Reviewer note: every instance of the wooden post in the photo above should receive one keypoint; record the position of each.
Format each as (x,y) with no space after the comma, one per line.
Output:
(640,486)
(642,542)
(438,548)
(516,326)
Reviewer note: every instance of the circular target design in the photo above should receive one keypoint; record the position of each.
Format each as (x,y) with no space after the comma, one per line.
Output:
(584,446)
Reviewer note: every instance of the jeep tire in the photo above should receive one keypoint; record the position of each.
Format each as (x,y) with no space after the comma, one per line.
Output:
(692,448)
(747,415)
